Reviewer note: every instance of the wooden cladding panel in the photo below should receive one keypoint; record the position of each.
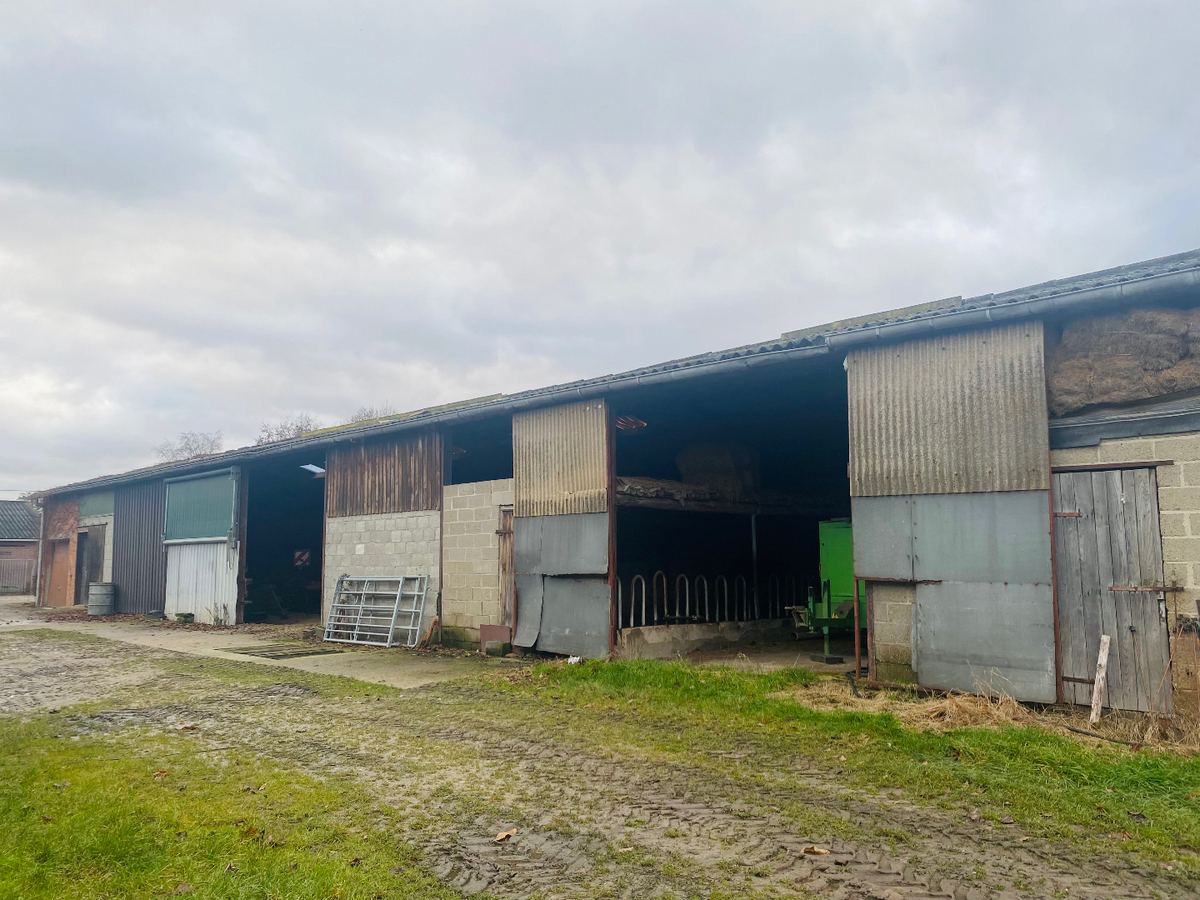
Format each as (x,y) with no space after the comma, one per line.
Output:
(385,476)
(560,460)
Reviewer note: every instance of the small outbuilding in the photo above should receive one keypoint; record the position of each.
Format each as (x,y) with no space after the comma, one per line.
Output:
(18,547)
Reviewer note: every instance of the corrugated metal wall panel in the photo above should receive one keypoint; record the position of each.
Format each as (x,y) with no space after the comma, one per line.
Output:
(385,476)
(575,616)
(997,538)
(200,507)
(883,537)
(202,580)
(957,413)
(560,460)
(139,557)
(574,544)
(994,638)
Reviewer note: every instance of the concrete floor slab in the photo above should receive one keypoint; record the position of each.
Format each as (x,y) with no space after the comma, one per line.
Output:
(394,667)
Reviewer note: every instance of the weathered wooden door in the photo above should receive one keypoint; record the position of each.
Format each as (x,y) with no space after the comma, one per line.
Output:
(1108,557)
(60,574)
(81,553)
(89,554)
(507,566)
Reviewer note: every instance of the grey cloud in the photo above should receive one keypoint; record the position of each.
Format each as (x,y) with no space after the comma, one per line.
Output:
(214,213)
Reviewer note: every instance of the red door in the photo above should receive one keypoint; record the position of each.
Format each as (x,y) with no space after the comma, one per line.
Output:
(60,574)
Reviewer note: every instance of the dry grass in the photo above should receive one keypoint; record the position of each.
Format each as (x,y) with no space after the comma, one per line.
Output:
(946,712)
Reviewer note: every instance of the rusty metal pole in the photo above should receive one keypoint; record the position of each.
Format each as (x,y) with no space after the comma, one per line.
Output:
(857,634)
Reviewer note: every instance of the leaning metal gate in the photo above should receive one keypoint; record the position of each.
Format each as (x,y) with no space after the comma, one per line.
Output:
(380,612)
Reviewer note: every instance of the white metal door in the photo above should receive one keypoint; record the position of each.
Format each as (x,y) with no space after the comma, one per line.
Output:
(202,580)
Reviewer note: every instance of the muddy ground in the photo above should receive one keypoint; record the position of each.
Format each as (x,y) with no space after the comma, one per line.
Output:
(597,814)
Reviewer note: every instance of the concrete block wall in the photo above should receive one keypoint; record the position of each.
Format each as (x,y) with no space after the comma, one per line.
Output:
(471,555)
(391,544)
(892,606)
(1179,517)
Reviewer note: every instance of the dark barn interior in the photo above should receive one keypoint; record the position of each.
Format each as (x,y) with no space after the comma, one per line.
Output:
(720,486)
(284,519)
(480,451)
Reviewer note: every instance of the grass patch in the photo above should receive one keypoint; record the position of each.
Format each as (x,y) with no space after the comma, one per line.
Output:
(130,815)
(1117,799)
(53,634)
(250,675)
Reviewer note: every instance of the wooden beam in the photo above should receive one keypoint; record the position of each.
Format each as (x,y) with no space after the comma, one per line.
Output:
(715,506)
(1105,467)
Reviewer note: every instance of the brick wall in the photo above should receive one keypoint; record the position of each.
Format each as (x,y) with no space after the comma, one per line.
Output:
(471,555)
(403,543)
(1179,516)
(61,515)
(892,607)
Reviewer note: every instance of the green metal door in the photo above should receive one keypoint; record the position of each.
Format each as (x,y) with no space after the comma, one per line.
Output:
(837,575)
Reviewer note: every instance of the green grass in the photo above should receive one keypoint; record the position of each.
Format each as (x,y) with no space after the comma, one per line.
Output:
(128,814)
(1051,786)
(249,675)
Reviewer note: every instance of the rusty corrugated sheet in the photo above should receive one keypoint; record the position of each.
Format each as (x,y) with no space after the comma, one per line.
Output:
(560,460)
(956,413)
(139,557)
(384,476)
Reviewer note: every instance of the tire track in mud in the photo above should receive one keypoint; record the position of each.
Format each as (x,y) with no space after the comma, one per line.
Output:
(592,824)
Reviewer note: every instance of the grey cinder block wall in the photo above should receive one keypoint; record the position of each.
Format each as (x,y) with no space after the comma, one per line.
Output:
(390,544)
(471,556)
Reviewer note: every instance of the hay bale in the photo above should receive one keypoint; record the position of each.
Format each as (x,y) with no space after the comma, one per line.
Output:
(1184,376)
(1122,357)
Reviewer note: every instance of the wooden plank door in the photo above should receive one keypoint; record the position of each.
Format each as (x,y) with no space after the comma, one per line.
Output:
(90,553)
(1107,541)
(81,552)
(60,574)
(508,566)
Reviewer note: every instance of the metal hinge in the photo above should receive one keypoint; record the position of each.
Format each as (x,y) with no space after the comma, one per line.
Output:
(1150,589)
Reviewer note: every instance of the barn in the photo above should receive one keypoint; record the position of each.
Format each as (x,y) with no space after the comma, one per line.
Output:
(970,493)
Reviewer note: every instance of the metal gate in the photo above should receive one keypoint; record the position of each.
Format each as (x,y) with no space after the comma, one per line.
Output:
(1108,557)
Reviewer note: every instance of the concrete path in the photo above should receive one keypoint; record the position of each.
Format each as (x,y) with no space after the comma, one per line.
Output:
(393,667)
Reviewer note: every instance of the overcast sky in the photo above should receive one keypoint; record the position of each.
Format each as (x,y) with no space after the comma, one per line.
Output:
(217,213)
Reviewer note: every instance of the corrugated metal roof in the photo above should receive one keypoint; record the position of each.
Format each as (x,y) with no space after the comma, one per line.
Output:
(956,413)
(1144,280)
(17,521)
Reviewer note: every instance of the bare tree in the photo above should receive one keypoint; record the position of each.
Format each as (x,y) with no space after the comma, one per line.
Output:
(190,445)
(291,427)
(369,413)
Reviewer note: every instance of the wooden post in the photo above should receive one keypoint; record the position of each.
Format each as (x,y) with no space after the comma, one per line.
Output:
(1101,679)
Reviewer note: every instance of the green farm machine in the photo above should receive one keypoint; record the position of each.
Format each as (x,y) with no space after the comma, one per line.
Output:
(830,609)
